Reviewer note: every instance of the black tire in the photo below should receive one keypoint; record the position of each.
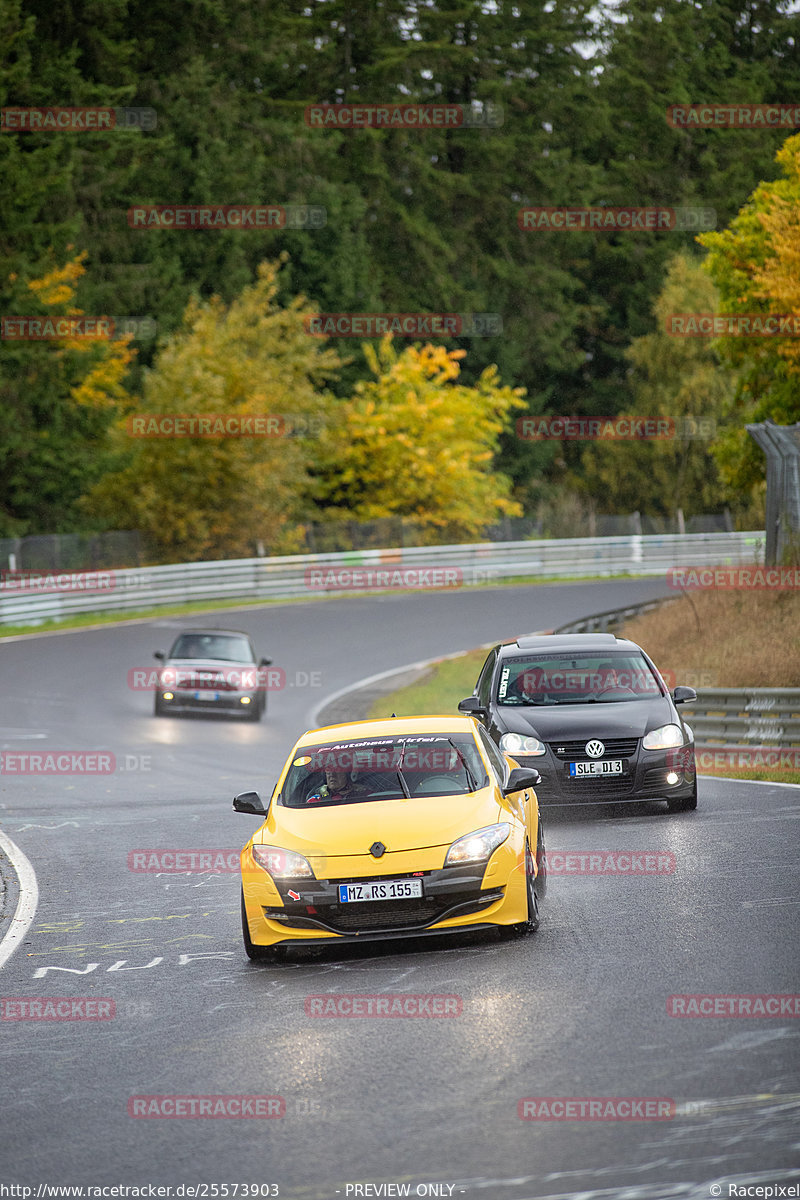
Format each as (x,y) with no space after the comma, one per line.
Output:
(258,953)
(684,803)
(541,863)
(524,928)
(158,707)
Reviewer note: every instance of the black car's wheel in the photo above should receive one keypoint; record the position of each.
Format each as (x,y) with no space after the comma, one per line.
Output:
(684,803)
(158,707)
(258,953)
(523,928)
(256,711)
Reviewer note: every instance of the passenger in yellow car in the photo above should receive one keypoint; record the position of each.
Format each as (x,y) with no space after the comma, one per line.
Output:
(337,786)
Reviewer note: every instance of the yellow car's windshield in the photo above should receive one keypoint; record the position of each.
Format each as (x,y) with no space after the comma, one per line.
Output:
(395,768)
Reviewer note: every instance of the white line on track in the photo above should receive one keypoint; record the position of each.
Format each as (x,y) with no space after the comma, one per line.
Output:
(27,903)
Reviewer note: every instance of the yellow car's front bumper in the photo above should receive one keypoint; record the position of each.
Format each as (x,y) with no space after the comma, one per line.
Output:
(306,911)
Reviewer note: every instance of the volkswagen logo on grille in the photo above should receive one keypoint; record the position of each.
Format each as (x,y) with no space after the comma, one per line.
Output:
(377,849)
(595,749)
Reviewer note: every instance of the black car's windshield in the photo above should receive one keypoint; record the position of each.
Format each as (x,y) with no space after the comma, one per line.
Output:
(395,768)
(576,679)
(223,647)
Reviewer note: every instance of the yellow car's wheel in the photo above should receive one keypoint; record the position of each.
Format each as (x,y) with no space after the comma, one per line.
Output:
(523,928)
(258,953)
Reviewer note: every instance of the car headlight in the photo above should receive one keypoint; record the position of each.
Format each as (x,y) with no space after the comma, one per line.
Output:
(478,846)
(518,743)
(282,864)
(663,738)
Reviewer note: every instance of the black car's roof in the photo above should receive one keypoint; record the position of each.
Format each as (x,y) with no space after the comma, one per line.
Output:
(214,632)
(556,643)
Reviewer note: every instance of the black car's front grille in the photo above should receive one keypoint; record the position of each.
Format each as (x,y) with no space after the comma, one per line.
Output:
(614,748)
(592,786)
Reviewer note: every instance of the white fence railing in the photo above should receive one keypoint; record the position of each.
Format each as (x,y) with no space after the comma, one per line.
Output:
(30,598)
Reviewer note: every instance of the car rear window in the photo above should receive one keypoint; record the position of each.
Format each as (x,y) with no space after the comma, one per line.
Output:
(537,680)
(374,769)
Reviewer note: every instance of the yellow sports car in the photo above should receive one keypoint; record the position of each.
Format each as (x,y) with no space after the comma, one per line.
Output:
(404,827)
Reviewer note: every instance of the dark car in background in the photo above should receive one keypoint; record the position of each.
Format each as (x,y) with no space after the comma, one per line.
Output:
(593,715)
(212,670)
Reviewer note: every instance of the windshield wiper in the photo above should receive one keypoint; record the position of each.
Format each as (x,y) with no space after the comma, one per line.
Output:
(400,774)
(473,783)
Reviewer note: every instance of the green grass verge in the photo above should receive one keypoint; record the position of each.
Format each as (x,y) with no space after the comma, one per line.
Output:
(450,680)
(757,774)
(439,691)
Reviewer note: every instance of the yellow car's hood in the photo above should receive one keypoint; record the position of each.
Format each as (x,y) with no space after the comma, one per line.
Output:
(351,829)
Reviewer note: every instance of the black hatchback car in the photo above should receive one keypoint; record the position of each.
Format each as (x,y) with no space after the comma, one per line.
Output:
(592,714)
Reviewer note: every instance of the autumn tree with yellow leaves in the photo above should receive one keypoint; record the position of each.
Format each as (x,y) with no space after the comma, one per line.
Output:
(414,442)
(755,263)
(252,365)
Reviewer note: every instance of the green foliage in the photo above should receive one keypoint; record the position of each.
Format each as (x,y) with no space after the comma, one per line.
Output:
(756,266)
(202,497)
(417,221)
(680,379)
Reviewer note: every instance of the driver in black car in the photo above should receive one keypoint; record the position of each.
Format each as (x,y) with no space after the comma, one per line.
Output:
(338,785)
(613,682)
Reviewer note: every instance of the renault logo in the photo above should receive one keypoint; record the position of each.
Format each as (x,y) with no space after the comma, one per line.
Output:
(377,849)
(595,749)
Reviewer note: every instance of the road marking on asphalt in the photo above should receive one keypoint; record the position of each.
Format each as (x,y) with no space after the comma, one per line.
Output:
(26,905)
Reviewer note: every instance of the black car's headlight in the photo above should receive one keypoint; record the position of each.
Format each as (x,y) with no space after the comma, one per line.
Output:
(520,743)
(477,847)
(664,738)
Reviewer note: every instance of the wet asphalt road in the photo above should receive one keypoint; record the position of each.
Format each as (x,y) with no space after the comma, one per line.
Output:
(579,1010)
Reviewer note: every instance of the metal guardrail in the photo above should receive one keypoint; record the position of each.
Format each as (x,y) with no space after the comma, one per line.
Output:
(742,717)
(307,575)
(608,622)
